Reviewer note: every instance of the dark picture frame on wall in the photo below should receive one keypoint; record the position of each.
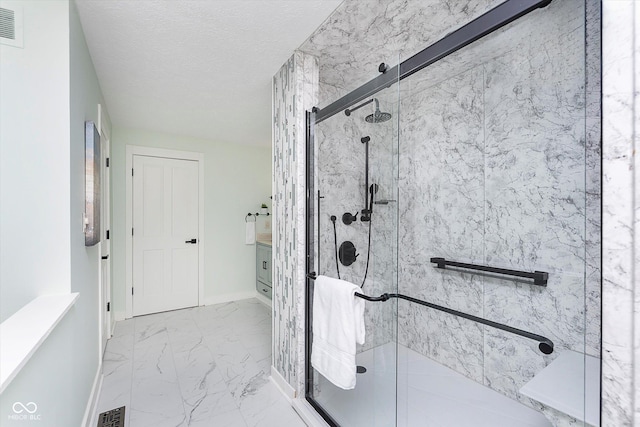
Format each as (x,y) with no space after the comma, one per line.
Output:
(92,184)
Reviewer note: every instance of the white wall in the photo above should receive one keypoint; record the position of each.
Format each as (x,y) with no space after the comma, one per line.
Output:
(237,181)
(48,90)
(34,158)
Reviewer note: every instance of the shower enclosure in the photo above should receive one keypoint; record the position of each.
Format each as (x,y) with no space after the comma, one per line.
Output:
(452,189)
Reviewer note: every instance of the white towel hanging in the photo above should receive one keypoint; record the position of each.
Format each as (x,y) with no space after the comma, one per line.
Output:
(250,233)
(338,324)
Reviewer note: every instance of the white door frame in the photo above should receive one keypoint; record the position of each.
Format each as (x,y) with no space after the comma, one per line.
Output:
(133,150)
(105,219)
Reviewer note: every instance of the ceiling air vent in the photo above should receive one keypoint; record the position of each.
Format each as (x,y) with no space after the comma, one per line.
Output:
(7,24)
(10,25)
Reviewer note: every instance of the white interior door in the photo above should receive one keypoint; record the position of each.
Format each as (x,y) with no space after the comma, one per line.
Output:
(165,234)
(105,245)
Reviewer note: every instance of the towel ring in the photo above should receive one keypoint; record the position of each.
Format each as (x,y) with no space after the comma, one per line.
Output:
(257,214)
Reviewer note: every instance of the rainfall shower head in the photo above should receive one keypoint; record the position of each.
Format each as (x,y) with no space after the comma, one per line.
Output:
(378,116)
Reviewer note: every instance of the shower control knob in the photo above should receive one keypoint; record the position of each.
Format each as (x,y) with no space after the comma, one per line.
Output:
(347,253)
(347,218)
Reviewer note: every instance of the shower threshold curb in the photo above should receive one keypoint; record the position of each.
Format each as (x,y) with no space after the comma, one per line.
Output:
(308,413)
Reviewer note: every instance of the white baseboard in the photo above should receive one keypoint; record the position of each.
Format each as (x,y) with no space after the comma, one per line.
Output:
(308,413)
(89,419)
(282,384)
(229,297)
(266,301)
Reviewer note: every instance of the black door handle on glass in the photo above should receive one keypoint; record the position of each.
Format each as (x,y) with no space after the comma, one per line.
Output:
(192,241)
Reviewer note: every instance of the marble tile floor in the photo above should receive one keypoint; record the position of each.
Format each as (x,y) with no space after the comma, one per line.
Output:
(203,366)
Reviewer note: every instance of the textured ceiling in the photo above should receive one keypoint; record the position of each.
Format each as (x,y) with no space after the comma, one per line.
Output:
(197,68)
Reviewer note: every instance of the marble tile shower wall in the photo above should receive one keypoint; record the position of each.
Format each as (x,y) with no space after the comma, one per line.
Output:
(441,203)
(340,172)
(361,34)
(621,214)
(492,170)
(294,90)
(593,177)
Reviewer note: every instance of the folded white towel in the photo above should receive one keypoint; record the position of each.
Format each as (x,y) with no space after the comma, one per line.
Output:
(338,324)
(250,233)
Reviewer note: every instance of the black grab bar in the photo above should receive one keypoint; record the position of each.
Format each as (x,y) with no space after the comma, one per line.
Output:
(545,344)
(540,278)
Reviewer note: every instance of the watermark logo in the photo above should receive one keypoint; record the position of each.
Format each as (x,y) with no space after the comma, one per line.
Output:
(25,412)
(20,407)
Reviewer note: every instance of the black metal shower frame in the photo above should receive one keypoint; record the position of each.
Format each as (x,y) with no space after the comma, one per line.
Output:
(485,24)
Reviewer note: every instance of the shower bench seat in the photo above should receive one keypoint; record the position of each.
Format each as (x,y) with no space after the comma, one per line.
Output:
(561,385)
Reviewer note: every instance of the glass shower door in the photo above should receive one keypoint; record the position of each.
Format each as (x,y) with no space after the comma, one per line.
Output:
(356,240)
(494,163)
(485,161)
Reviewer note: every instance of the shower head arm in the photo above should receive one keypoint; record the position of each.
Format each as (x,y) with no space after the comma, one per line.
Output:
(348,111)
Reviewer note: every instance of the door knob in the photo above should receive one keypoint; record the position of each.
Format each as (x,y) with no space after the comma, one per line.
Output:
(192,241)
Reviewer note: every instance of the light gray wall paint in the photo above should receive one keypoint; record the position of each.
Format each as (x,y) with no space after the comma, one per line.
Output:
(85,96)
(34,159)
(237,181)
(60,376)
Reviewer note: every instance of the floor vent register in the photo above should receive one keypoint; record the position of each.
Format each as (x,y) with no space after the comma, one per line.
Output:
(112,418)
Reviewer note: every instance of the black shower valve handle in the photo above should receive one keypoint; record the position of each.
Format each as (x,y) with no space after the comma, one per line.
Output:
(348,219)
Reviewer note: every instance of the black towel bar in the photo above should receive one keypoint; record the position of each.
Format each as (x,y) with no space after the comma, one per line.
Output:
(540,278)
(545,344)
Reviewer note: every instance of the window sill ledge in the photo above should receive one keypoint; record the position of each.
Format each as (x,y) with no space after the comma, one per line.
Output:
(25,331)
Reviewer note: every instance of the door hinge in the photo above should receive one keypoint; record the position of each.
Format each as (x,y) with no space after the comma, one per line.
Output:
(131,171)
(108,234)
(107,162)
(132,290)
(108,306)
(132,231)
